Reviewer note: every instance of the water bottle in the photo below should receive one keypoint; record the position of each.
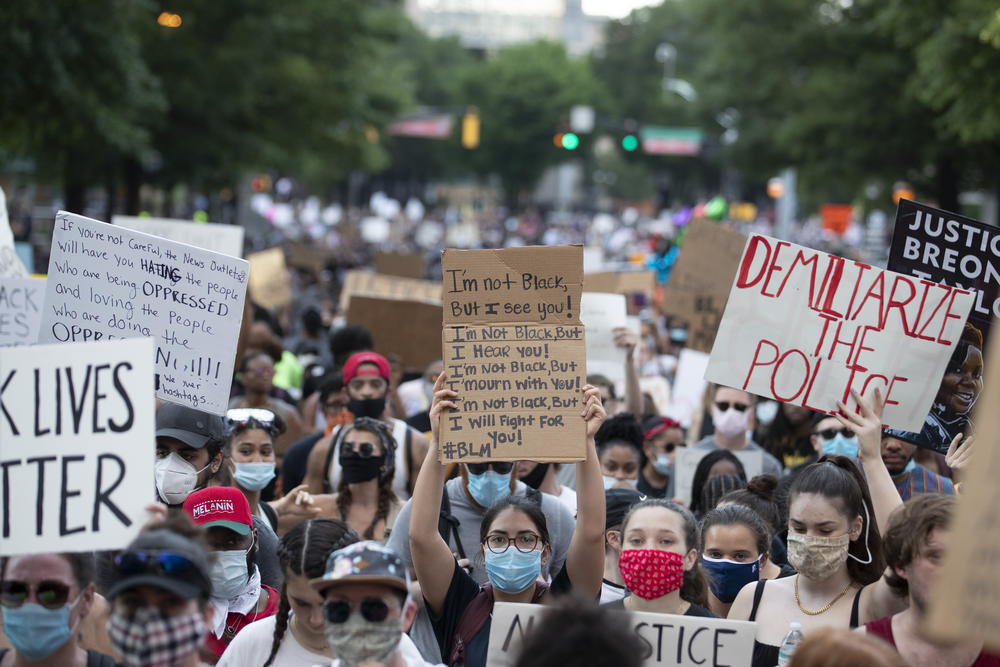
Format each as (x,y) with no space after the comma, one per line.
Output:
(789,643)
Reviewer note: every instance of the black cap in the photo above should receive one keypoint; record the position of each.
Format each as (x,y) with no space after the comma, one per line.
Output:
(618,503)
(192,427)
(189,583)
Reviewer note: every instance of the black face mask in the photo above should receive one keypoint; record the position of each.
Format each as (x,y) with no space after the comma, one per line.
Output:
(358,469)
(366,407)
(534,478)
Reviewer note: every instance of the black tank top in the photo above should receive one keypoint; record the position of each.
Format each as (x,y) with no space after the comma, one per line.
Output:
(766,655)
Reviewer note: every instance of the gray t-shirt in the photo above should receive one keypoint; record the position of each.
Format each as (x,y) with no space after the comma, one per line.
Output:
(771,465)
(558,518)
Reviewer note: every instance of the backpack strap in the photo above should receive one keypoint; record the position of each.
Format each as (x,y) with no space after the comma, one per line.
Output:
(448,524)
(474,618)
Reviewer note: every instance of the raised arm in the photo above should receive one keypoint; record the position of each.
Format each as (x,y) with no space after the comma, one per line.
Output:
(432,559)
(626,338)
(585,558)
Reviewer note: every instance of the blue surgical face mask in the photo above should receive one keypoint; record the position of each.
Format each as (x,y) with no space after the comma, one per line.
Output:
(254,476)
(726,577)
(36,632)
(513,571)
(489,487)
(662,464)
(838,444)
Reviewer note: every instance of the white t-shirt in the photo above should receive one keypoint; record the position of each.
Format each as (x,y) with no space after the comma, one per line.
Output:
(568,498)
(253,644)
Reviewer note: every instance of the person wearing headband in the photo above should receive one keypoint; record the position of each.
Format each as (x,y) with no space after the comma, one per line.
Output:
(661,438)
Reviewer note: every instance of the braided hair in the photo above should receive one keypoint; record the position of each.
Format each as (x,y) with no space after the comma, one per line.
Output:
(303,551)
(386,496)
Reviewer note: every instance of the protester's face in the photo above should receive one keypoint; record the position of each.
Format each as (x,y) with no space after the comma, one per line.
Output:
(959,390)
(307,607)
(128,601)
(512,522)
(524,468)
(335,405)
(733,542)
(896,454)
(665,443)
(432,371)
(355,594)
(196,457)
(34,569)
(823,425)
(923,571)
(606,399)
(816,515)
(221,538)
(796,414)
(367,385)
(620,462)
(355,440)
(259,373)
(252,446)
(657,528)
(723,467)
(733,397)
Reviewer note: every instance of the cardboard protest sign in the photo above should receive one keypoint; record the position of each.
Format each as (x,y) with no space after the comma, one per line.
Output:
(225,239)
(689,386)
(658,389)
(10,264)
(269,284)
(687,459)
(107,282)
(21,301)
(411,329)
(601,314)
(699,282)
(964,603)
(668,639)
(365,283)
(514,351)
(620,282)
(805,327)
(402,264)
(947,248)
(77,427)
(304,256)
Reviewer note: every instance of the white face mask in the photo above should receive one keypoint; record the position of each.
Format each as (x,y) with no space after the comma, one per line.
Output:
(175,478)
(729,423)
(609,482)
(229,573)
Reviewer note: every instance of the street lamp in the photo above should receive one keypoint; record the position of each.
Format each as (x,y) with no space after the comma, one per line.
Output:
(666,53)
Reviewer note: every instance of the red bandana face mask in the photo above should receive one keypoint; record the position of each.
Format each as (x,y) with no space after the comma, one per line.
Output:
(651,573)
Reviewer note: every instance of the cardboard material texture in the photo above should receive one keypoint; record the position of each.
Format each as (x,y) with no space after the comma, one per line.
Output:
(225,239)
(304,256)
(620,282)
(601,314)
(107,282)
(699,282)
(688,458)
(77,428)
(402,264)
(21,301)
(515,351)
(411,329)
(806,327)
(366,283)
(944,247)
(270,286)
(687,641)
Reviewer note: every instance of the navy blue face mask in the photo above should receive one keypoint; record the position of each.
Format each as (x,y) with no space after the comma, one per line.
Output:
(726,577)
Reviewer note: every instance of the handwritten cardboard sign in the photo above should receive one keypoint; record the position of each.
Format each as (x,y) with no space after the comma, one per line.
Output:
(411,329)
(944,247)
(402,264)
(699,282)
(107,282)
(805,327)
(21,301)
(669,639)
(600,314)
(366,283)
(269,284)
(620,282)
(77,427)
(514,350)
(964,602)
(687,459)
(225,239)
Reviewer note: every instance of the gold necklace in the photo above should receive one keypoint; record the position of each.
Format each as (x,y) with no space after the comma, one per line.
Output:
(828,604)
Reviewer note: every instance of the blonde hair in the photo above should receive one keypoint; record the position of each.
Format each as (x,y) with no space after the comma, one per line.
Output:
(830,647)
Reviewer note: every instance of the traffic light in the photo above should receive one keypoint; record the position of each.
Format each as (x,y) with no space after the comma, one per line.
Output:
(570,141)
(470,129)
(169,20)
(630,142)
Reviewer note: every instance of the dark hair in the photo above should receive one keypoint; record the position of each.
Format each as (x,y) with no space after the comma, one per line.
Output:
(386,496)
(909,527)
(599,380)
(733,515)
(276,428)
(838,478)
(82,564)
(250,356)
(529,508)
(577,632)
(312,321)
(332,383)
(758,496)
(714,489)
(348,340)
(694,589)
(622,429)
(701,474)
(781,436)
(303,551)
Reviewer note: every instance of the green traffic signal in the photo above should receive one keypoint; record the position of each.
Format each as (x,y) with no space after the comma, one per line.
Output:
(629,142)
(570,141)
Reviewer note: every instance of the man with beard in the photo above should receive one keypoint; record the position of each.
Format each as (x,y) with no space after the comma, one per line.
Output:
(910,477)
(367,378)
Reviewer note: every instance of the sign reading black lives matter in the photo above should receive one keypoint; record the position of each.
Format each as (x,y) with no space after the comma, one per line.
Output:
(943,247)
(107,282)
(76,434)
(515,352)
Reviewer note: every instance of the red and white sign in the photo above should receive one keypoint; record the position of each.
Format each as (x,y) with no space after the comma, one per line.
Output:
(435,127)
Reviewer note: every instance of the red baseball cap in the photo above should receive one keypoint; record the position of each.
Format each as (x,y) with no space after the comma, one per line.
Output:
(220,506)
(351,367)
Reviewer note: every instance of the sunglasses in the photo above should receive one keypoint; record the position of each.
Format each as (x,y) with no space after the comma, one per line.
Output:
(240,417)
(831,433)
(365,450)
(373,610)
(479,468)
(724,406)
(50,594)
(131,563)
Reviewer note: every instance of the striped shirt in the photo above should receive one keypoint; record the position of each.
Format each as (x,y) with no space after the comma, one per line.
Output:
(918,479)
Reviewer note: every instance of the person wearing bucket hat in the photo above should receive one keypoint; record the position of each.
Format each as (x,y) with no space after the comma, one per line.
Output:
(367,606)
(188,451)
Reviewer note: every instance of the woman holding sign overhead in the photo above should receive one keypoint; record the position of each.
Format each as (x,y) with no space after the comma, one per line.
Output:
(514,542)
(834,543)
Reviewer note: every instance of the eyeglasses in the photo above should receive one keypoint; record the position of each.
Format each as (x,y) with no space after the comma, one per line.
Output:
(50,594)
(374,610)
(363,449)
(831,433)
(724,406)
(240,417)
(499,543)
(139,562)
(498,466)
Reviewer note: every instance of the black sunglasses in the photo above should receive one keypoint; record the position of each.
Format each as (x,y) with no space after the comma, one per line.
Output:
(50,594)
(831,433)
(140,562)
(374,610)
(724,405)
(498,466)
(365,450)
